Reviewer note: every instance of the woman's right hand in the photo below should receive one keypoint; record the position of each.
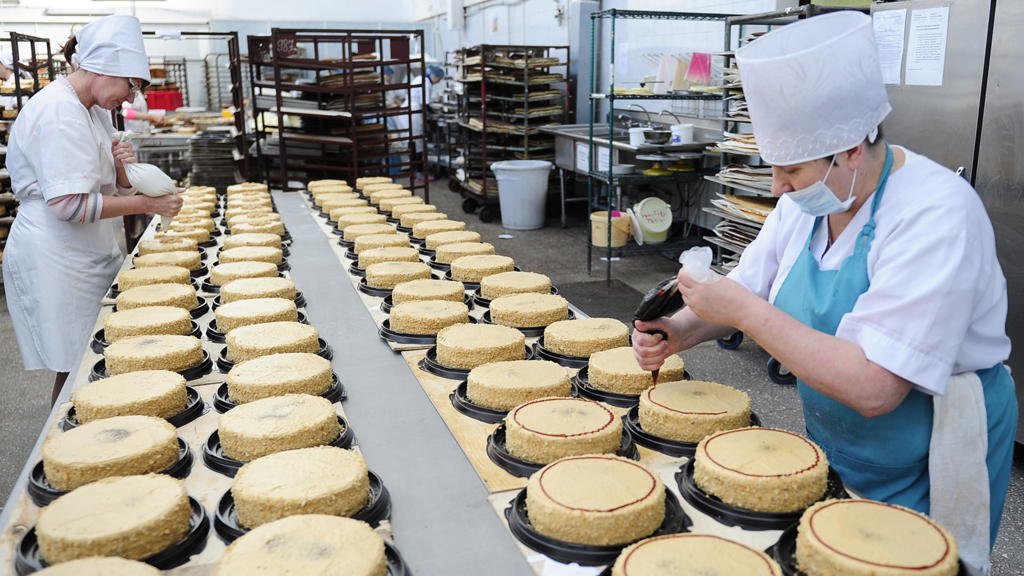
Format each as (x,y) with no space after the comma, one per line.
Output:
(651,350)
(168,205)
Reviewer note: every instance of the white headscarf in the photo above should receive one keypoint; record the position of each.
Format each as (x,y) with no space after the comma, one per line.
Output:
(7,58)
(113,46)
(814,88)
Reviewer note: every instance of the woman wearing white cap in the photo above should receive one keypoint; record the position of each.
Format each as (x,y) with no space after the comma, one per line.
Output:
(68,175)
(875,281)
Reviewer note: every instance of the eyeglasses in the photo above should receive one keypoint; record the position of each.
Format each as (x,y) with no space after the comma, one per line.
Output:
(133,87)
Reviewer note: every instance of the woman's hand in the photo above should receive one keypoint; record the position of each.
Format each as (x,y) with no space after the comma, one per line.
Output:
(168,205)
(722,302)
(652,349)
(123,152)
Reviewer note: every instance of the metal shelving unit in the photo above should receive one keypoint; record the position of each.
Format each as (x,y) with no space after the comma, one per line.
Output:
(336,123)
(507,92)
(608,180)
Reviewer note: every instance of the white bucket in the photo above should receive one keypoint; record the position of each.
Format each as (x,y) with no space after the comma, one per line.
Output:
(655,218)
(522,192)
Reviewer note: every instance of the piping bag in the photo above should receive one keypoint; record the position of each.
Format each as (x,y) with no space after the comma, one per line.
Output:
(147,178)
(665,300)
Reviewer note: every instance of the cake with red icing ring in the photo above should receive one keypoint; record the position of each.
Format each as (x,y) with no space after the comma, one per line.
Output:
(761,469)
(692,555)
(690,410)
(545,430)
(597,500)
(865,537)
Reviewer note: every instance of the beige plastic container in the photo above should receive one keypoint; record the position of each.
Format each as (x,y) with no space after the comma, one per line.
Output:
(599,229)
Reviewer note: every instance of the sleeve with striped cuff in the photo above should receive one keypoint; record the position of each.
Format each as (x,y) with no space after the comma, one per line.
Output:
(78,208)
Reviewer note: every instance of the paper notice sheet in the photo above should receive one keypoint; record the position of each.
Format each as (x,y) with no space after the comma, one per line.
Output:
(926,47)
(890,26)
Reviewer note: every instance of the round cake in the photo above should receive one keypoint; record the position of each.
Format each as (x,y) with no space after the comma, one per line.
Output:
(132,517)
(190,260)
(275,424)
(353,232)
(158,393)
(384,184)
(431,289)
(174,353)
(387,275)
(199,205)
(259,227)
(247,288)
(551,428)
(400,211)
(373,241)
(761,469)
(508,283)
(167,245)
(251,254)
(250,342)
(690,410)
(255,311)
(235,212)
(156,275)
(249,201)
(148,321)
(177,295)
(411,219)
(467,346)
(326,183)
(356,219)
(505,385)
(245,240)
(252,218)
(333,204)
(221,274)
(450,252)
(598,500)
(692,555)
(389,204)
(349,210)
(318,480)
(864,537)
(306,544)
(434,241)
(393,254)
(617,370)
(529,310)
(585,336)
(377,195)
(329,194)
(116,446)
(246,186)
(361,183)
(475,268)
(277,375)
(100,566)
(189,222)
(200,235)
(427,316)
(424,229)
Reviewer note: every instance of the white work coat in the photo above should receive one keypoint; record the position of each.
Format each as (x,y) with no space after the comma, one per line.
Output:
(416,100)
(56,272)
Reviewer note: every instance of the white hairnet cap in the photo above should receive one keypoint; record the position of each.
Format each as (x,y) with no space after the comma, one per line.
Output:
(113,46)
(814,88)
(7,58)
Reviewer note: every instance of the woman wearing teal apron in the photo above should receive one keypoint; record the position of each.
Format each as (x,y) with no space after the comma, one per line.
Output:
(875,281)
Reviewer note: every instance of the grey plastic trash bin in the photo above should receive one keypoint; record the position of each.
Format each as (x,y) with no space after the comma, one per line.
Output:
(522,192)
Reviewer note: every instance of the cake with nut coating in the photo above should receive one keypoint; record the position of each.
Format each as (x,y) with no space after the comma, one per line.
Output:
(100,566)
(252,239)
(373,241)
(185,259)
(692,555)
(599,500)
(467,346)
(424,229)
(377,195)
(336,213)
(279,374)
(435,241)
(505,385)
(412,219)
(132,517)
(394,254)
(426,317)
(317,480)
(585,336)
(387,275)
(249,342)
(156,275)
(321,197)
(275,424)
(155,246)
(251,254)
(221,274)
(247,288)
(617,370)
(116,446)
(389,204)
(450,252)
(306,544)
(761,469)
(157,393)
(690,410)
(547,429)
(344,222)
(507,283)
(189,221)
(174,353)
(245,187)
(235,212)
(255,311)
(400,211)
(147,321)
(252,218)
(429,289)
(529,310)
(333,204)
(352,233)
(200,235)
(370,183)
(258,227)
(177,295)
(475,268)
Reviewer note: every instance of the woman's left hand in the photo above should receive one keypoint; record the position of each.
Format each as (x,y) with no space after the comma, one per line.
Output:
(722,302)
(123,152)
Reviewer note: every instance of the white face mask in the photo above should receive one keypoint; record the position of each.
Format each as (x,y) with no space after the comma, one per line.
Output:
(819,200)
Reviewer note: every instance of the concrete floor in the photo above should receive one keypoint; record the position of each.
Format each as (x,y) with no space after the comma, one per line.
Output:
(561,254)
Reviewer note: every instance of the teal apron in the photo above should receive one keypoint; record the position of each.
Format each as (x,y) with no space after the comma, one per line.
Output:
(885,458)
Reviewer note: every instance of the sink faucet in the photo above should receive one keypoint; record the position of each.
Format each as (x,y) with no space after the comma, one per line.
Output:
(645,112)
(670,114)
(626,120)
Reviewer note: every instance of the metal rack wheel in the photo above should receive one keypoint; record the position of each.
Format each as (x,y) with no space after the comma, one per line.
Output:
(489,213)
(454,185)
(469,205)
(779,373)
(731,342)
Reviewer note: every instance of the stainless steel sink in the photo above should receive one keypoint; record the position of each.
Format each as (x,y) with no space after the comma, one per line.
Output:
(566,137)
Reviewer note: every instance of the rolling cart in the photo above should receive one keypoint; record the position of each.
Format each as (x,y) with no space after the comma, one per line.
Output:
(776,371)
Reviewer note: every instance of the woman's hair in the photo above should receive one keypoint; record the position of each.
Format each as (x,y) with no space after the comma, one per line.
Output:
(69,49)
